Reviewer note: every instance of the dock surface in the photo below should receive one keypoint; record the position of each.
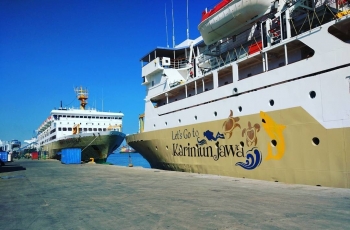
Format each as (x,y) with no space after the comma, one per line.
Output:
(45,194)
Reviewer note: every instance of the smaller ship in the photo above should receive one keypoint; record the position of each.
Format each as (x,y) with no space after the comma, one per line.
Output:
(127,149)
(96,133)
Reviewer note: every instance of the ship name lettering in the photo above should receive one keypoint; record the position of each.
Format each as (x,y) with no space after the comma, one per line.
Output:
(207,151)
(177,135)
(226,150)
(195,133)
(186,134)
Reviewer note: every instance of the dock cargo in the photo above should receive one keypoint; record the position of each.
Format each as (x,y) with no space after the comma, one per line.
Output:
(3,156)
(71,156)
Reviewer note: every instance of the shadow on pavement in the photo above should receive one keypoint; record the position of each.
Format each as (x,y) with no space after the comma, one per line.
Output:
(11,168)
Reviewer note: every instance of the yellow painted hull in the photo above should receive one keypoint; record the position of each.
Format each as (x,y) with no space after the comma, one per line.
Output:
(287,146)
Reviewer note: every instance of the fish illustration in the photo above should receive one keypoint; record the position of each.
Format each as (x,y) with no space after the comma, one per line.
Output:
(209,135)
(275,132)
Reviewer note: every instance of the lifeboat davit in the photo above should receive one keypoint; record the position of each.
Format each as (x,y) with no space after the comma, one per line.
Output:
(230,17)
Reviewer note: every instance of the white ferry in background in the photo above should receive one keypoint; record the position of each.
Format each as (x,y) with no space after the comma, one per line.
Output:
(96,133)
(263,96)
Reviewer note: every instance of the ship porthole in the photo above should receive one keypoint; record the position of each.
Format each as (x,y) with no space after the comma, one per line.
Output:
(154,125)
(315,141)
(242,144)
(273,143)
(215,113)
(195,117)
(312,94)
(166,147)
(179,120)
(272,102)
(240,108)
(156,147)
(166,123)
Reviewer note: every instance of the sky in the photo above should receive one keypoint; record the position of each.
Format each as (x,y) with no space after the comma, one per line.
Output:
(48,47)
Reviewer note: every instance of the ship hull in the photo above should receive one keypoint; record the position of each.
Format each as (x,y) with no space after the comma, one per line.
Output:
(275,146)
(97,146)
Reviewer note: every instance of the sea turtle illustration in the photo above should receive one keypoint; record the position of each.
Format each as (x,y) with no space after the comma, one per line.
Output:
(230,124)
(250,134)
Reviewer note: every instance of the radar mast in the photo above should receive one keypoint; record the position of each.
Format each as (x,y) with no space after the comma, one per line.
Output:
(82,95)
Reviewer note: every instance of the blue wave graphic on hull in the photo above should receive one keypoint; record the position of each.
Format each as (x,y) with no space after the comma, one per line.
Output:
(252,161)
(201,142)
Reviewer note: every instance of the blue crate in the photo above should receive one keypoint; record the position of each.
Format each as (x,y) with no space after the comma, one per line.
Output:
(71,156)
(4,156)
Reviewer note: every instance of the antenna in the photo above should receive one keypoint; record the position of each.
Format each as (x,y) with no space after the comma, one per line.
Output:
(172,12)
(166,28)
(188,27)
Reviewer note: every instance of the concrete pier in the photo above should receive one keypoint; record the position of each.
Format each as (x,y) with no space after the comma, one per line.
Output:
(45,194)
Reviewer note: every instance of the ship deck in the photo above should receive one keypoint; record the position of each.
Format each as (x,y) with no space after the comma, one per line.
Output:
(45,194)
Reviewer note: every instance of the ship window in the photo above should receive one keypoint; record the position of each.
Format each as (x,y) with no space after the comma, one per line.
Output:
(99,129)
(195,117)
(315,141)
(104,129)
(105,118)
(215,113)
(166,123)
(312,94)
(85,116)
(89,117)
(59,129)
(93,117)
(85,129)
(64,129)
(69,129)
(95,129)
(240,108)
(98,123)
(179,120)
(64,115)
(92,123)
(81,116)
(272,102)
(90,129)
(68,115)
(80,129)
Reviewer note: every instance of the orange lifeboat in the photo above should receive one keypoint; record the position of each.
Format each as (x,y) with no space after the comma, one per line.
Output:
(231,17)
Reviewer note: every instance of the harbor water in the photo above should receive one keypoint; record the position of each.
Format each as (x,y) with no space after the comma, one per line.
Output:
(122,159)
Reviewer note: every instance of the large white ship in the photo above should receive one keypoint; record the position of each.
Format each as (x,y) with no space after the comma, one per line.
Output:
(96,133)
(268,96)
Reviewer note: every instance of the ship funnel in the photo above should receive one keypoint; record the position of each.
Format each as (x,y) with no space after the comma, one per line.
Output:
(82,95)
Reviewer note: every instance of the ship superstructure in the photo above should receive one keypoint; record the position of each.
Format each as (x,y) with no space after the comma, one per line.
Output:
(266,98)
(69,127)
